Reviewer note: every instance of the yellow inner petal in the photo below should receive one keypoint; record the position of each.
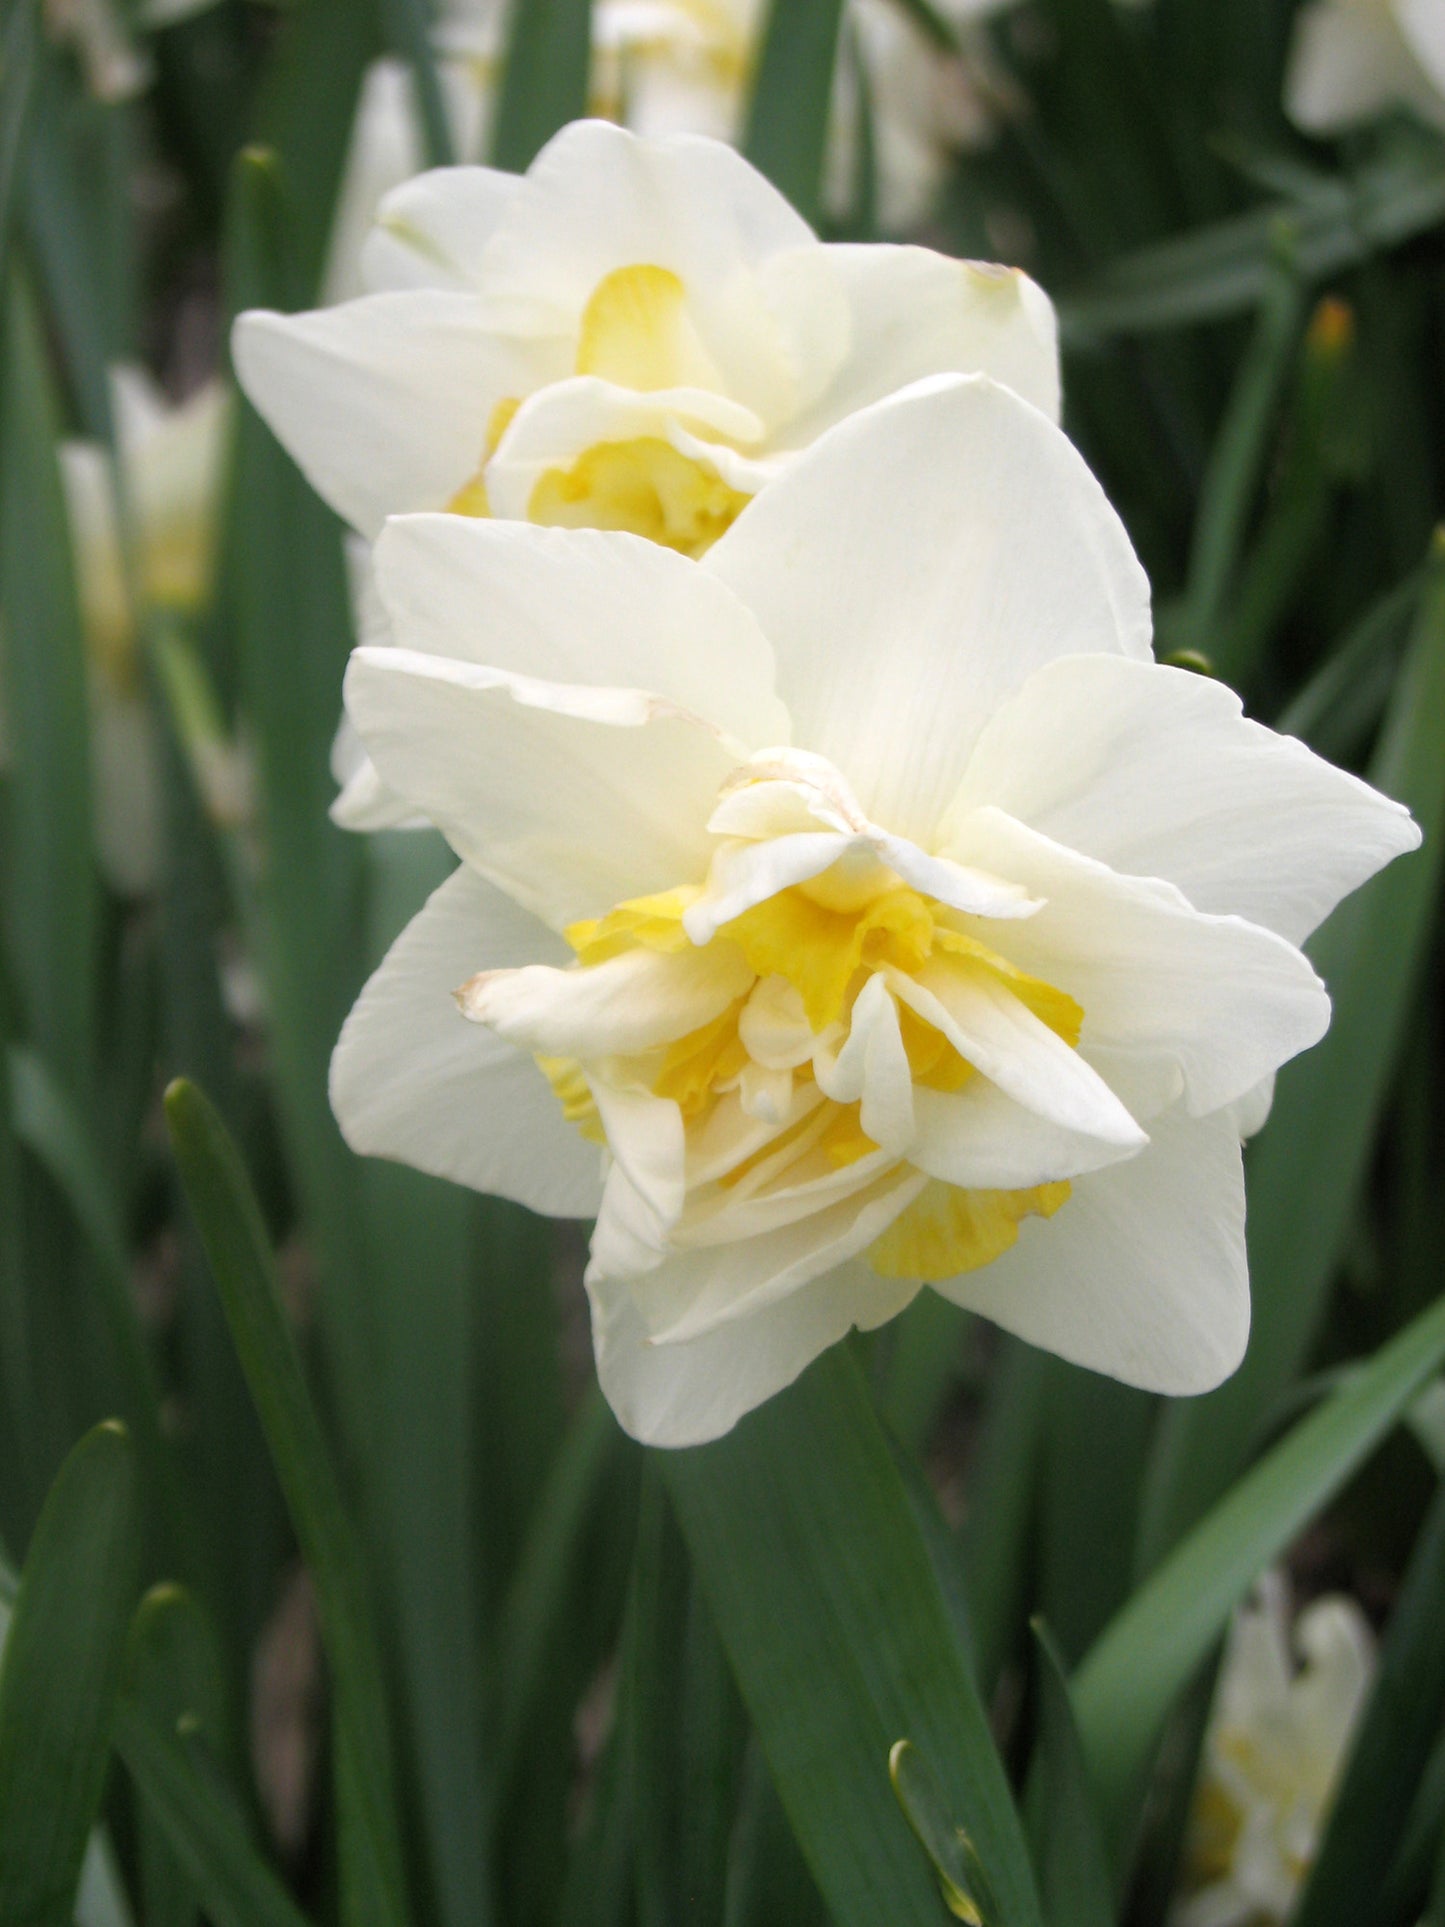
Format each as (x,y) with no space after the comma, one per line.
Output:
(947,1230)
(644,486)
(636,332)
(826,954)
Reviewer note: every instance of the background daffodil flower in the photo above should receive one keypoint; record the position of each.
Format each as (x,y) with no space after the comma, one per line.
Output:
(635,335)
(1277,1742)
(866,892)
(169,457)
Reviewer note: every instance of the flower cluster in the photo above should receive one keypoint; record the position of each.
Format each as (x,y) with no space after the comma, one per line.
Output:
(848,902)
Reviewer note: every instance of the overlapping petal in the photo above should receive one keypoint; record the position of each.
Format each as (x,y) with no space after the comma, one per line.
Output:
(891,669)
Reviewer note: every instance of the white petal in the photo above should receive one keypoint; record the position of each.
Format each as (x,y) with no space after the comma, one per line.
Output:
(686,1394)
(385,402)
(580,606)
(1003,1039)
(1157,773)
(968,544)
(411,1079)
(571,815)
(1142,1273)
(1203,1003)
(983,1140)
(630,1003)
(873,1067)
(1347,63)
(646,1185)
(598,198)
(917,313)
(432,230)
(1422,22)
(561,422)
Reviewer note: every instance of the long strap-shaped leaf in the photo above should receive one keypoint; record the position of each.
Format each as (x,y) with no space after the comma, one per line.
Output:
(61,1675)
(826,1600)
(544,83)
(235,1239)
(787,128)
(1146,1656)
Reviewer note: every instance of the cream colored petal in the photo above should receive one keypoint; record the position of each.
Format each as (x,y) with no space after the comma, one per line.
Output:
(967,545)
(1206,1004)
(1141,1274)
(411,1079)
(633,1002)
(570,811)
(583,607)
(916,313)
(385,402)
(677,1395)
(1158,773)
(433,230)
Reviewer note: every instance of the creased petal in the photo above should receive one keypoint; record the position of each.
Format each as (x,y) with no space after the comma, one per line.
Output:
(915,313)
(432,230)
(411,1079)
(571,804)
(1172,999)
(632,1002)
(580,606)
(385,402)
(1158,773)
(686,1394)
(982,1140)
(1142,1273)
(891,670)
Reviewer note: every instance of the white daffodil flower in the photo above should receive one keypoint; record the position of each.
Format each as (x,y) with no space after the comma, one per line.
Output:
(634,335)
(170,461)
(1353,60)
(858,907)
(1277,1742)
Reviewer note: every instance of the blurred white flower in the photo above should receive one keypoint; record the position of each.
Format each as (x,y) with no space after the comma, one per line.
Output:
(1352,60)
(102,32)
(169,459)
(1277,1741)
(866,891)
(634,335)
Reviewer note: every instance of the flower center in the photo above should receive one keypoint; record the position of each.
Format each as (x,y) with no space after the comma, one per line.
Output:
(635,332)
(818,987)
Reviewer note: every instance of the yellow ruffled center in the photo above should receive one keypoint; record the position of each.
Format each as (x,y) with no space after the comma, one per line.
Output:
(825,948)
(636,332)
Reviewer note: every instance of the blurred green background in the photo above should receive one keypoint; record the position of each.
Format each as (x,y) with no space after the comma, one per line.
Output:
(522,1673)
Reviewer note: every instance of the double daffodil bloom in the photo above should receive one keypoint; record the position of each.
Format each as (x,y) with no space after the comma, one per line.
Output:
(636,335)
(1353,60)
(1277,1743)
(169,458)
(858,907)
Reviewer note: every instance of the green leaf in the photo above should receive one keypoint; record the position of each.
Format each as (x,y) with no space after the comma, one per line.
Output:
(1391,1748)
(61,1674)
(203,1824)
(1306,1167)
(1224,269)
(544,81)
(787,124)
(49,1125)
(51,884)
(1004,1496)
(1068,1847)
(407,24)
(236,1245)
(17,83)
(962,1881)
(1149,1652)
(822,1589)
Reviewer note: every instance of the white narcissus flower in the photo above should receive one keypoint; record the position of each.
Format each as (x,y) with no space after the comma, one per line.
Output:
(634,335)
(857,907)
(1353,60)
(1277,1742)
(170,461)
